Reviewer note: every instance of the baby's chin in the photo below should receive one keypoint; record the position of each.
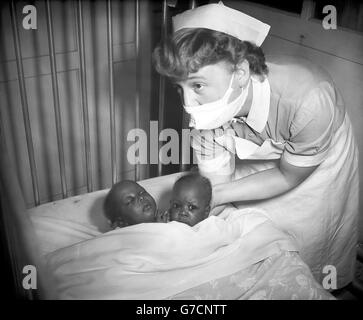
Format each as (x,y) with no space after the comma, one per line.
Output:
(184,220)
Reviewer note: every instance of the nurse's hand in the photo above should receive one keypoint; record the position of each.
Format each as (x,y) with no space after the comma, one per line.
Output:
(217,210)
(162,217)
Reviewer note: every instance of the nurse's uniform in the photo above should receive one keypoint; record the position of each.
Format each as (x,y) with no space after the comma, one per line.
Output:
(297,114)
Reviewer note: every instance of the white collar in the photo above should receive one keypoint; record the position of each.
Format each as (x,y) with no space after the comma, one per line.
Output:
(256,118)
(260,107)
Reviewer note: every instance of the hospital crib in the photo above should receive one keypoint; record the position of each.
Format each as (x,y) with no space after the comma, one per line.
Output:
(17,197)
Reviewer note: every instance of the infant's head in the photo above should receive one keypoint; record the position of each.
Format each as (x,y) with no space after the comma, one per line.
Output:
(127,203)
(191,197)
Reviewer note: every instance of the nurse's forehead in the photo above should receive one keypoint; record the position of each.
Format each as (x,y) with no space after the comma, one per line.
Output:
(210,71)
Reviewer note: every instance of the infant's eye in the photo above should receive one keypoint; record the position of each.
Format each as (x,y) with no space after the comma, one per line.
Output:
(191,207)
(129,200)
(175,205)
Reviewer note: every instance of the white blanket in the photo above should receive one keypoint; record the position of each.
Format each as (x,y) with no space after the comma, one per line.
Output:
(156,260)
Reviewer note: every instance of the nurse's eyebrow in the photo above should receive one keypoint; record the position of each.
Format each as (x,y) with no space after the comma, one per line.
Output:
(195,77)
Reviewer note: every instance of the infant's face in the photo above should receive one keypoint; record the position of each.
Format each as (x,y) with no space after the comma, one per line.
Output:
(189,204)
(137,205)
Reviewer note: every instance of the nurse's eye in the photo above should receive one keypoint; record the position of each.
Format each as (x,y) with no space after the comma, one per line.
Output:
(197,87)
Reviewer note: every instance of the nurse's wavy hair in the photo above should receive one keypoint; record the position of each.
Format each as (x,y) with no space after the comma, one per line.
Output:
(190,49)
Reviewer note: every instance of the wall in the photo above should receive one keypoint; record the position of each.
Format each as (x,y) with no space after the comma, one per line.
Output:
(36,61)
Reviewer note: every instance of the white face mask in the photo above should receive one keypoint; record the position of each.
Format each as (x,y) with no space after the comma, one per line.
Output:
(215,114)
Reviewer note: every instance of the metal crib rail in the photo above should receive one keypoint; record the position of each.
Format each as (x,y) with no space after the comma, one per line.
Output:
(84,102)
(164,33)
(83,95)
(58,121)
(111,92)
(138,79)
(24,103)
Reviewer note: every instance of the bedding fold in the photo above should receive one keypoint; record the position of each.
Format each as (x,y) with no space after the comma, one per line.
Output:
(156,260)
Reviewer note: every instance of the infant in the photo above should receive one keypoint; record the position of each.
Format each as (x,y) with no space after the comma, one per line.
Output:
(128,203)
(190,200)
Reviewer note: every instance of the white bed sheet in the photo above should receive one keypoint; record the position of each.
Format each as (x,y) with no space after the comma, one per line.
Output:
(64,222)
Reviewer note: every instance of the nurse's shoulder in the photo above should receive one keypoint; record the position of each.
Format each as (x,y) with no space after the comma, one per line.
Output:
(305,92)
(293,76)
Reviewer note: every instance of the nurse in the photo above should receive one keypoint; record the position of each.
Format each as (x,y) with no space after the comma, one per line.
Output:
(272,134)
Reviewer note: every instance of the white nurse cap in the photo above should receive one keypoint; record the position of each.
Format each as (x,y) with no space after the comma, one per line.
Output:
(221,18)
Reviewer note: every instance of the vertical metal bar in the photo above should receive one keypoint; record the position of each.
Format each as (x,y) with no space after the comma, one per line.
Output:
(138,78)
(111,93)
(84,102)
(57,113)
(308,9)
(164,33)
(24,104)
(183,164)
